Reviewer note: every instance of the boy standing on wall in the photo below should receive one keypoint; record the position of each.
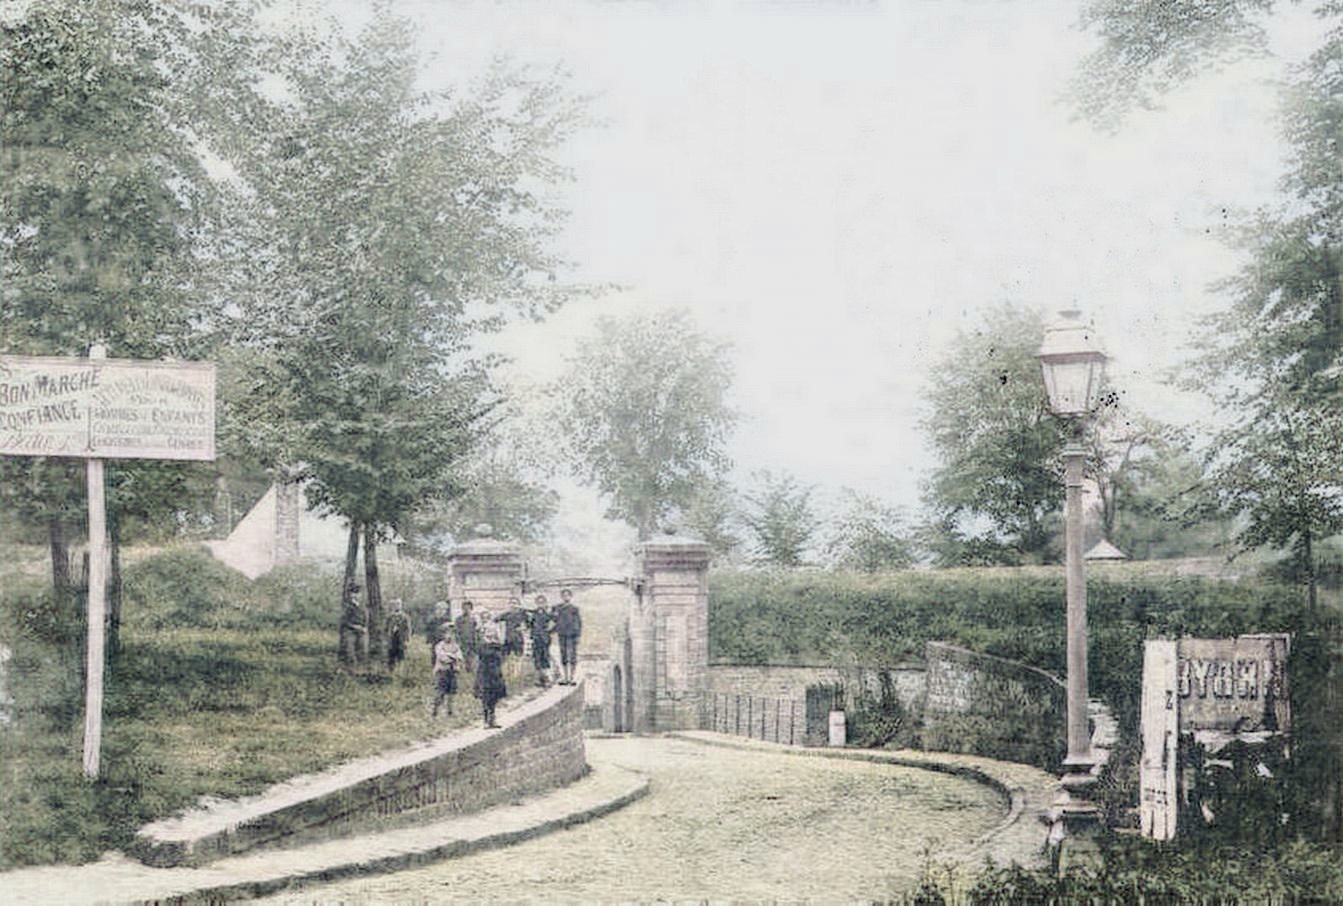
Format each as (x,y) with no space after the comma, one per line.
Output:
(540,622)
(568,626)
(447,658)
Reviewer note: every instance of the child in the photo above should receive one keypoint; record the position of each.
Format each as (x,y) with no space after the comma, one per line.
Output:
(447,658)
(489,686)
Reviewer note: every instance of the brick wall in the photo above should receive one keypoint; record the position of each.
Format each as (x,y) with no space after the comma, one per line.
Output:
(540,750)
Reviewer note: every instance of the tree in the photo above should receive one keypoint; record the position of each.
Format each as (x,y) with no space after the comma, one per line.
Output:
(391,227)
(643,414)
(1274,358)
(780,515)
(1169,511)
(107,214)
(869,536)
(998,487)
(495,491)
(713,515)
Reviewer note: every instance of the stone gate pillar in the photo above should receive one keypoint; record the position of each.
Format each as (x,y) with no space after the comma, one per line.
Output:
(485,572)
(669,635)
(288,508)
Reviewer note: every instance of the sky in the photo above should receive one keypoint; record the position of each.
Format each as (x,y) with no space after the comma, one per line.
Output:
(838,189)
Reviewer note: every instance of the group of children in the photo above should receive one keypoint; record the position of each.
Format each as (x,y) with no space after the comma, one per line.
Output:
(479,647)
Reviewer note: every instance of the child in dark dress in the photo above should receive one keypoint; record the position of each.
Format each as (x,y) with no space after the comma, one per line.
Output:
(489,685)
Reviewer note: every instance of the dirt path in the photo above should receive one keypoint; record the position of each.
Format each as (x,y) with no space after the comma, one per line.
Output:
(719,824)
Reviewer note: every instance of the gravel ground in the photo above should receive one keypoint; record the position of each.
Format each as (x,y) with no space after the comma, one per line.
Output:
(718,824)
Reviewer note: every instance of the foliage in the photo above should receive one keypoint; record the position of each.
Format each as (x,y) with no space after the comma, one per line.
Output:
(388,228)
(713,516)
(108,217)
(781,518)
(495,491)
(869,536)
(1274,358)
(186,587)
(1169,510)
(1135,871)
(997,488)
(1149,48)
(643,414)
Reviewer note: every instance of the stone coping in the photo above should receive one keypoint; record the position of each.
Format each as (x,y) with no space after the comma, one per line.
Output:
(220,817)
(118,879)
(1028,792)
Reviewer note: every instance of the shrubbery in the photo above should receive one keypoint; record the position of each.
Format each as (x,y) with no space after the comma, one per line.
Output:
(1132,871)
(878,620)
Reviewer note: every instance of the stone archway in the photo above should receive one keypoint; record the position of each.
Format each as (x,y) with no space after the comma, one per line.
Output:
(658,664)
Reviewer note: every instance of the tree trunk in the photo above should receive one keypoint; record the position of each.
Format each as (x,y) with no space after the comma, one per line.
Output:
(374,590)
(114,590)
(1308,563)
(350,649)
(60,559)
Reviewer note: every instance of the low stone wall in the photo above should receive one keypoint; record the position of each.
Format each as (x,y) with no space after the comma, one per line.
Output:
(769,701)
(985,705)
(540,747)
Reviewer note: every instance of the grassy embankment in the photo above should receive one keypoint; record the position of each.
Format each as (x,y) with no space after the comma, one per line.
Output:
(223,686)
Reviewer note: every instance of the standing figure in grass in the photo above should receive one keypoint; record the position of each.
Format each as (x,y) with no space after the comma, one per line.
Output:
(568,626)
(447,658)
(539,620)
(467,631)
(397,630)
(514,619)
(489,684)
(353,628)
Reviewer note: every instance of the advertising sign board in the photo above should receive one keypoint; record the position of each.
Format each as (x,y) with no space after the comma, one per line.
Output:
(1234,685)
(107,408)
(1211,691)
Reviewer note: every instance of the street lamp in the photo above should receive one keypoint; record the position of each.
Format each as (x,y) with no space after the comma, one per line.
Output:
(1072,363)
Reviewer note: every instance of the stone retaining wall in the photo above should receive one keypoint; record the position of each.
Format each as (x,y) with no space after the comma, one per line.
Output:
(769,701)
(539,748)
(985,705)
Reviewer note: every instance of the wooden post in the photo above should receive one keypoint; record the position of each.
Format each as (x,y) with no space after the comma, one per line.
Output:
(93,700)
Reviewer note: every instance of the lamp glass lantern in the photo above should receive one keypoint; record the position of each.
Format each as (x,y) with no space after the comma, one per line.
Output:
(1072,362)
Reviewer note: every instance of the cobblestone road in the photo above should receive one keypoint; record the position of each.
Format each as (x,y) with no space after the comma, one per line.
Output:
(718,824)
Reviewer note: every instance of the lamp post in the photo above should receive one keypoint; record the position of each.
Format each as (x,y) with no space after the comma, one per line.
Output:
(1072,363)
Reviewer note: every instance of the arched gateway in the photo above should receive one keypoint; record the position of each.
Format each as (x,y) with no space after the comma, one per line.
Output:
(653,676)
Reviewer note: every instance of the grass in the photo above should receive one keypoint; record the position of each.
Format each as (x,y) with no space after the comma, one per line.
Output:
(190,710)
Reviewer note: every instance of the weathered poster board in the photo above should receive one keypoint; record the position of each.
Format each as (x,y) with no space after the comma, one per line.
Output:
(1211,691)
(1236,685)
(107,408)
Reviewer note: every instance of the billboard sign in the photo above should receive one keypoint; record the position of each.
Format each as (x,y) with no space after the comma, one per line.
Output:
(1236,685)
(107,408)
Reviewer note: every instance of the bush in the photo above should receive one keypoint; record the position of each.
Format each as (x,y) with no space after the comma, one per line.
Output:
(32,611)
(1133,871)
(185,587)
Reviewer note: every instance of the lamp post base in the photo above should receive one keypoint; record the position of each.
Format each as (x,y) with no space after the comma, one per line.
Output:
(1075,822)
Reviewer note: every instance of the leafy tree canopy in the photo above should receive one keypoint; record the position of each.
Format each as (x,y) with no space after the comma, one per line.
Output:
(997,485)
(782,520)
(869,535)
(1273,360)
(643,414)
